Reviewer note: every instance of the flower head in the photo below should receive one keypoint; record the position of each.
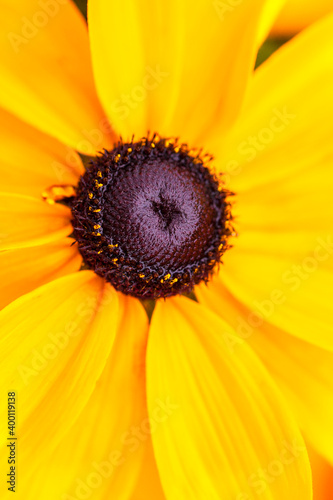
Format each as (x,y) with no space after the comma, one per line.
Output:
(214,396)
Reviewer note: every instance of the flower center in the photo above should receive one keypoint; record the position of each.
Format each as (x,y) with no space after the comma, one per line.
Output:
(150,218)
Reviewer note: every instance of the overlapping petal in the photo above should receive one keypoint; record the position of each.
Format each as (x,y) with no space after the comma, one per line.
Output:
(227,424)
(303,371)
(26,221)
(180,70)
(24,269)
(279,162)
(298,14)
(272,9)
(218,424)
(45,72)
(149,483)
(289,291)
(79,377)
(31,161)
(322,473)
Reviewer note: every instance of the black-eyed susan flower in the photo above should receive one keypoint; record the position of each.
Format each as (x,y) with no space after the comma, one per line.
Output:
(211,400)
(297,15)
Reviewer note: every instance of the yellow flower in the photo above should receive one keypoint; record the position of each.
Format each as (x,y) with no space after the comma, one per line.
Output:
(211,399)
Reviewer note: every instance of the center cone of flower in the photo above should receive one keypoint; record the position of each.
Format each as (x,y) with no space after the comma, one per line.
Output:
(150,218)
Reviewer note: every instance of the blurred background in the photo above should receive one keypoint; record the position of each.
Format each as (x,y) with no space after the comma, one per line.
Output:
(82,4)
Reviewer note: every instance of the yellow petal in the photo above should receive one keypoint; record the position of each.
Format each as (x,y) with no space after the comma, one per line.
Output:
(180,70)
(227,432)
(27,221)
(25,269)
(79,378)
(289,287)
(283,128)
(31,161)
(51,347)
(298,14)
(46,76)
(304,372)
(149,483)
